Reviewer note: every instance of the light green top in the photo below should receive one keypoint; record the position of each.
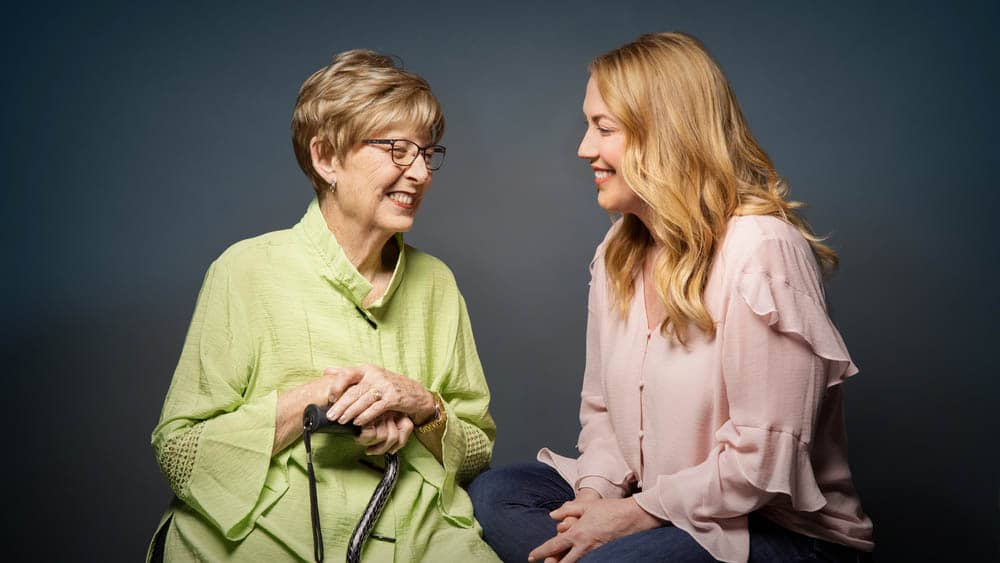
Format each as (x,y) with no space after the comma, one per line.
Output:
(274,311)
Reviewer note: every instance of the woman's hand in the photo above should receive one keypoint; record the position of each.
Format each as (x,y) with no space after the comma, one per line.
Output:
(377,391)
(600,522)
(321,391)
(571,510)
(388,433)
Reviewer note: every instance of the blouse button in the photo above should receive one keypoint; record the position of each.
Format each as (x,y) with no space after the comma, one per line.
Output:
(640,433)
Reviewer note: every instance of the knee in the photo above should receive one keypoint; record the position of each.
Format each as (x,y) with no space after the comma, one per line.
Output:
(495,487)
(487,488)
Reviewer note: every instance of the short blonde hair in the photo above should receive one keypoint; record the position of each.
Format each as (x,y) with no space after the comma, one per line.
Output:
(690,156)
(359,94)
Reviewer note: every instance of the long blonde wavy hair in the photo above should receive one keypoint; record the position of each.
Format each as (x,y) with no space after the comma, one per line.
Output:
(690,157)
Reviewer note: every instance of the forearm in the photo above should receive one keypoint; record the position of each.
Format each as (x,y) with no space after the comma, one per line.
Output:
(288,418)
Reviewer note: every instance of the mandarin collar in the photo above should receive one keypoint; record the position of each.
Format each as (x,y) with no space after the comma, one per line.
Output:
(338,269)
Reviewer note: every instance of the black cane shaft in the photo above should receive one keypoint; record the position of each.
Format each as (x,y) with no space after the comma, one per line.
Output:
(314,420)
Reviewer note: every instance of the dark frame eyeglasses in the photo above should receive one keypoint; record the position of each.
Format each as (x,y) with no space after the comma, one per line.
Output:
(404,152)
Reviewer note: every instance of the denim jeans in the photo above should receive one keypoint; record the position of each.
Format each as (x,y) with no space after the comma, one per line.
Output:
(513,503)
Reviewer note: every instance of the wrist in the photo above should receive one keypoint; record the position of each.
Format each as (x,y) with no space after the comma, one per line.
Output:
(645,520)
(436,420)
(427,411)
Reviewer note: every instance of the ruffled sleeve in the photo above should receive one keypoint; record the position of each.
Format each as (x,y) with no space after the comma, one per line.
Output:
(780,352)
(467,444)
(470,432)
(601,465)
(212,443)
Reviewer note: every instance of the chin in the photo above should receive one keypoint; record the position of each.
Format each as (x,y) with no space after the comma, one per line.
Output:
(606,202)
(397,224)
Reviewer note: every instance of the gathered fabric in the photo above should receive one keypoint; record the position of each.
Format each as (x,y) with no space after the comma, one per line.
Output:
(273,313)
(748,421)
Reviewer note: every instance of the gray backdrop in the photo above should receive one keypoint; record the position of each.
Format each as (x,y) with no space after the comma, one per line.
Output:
(139,142)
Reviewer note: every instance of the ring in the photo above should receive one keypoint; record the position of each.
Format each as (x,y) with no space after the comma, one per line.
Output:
(376,393)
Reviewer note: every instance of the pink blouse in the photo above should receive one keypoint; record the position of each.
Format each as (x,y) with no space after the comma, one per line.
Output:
(751,420)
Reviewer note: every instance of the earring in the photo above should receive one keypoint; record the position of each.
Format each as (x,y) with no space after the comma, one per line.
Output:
(333,186)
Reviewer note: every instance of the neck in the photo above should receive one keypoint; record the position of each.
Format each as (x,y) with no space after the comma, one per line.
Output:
(642,214)
(366,248)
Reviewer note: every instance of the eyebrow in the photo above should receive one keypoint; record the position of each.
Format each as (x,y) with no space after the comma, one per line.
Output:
(597,117)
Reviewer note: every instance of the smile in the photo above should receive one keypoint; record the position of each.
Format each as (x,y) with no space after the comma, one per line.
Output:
(602,176)
(404,200)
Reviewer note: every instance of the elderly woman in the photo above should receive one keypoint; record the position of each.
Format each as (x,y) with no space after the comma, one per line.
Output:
(336,311)
(712,403)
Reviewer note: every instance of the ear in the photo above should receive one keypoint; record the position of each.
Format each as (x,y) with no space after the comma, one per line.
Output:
(324,162)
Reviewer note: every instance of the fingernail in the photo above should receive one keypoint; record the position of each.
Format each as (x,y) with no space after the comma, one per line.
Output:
(331,414)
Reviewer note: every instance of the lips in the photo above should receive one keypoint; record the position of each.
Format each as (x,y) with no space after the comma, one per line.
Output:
(403,199)
(602,175)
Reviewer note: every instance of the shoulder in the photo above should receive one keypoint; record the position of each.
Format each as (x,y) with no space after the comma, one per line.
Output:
(252,254)
(760,247)
(751,238)
(422,265)
(747,232)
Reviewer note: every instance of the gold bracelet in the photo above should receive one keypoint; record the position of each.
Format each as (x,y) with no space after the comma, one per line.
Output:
(440,416)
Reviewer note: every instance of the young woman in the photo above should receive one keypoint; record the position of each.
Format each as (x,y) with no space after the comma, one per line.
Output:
(712,423)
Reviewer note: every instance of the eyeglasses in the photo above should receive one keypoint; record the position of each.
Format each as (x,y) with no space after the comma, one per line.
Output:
(404,152)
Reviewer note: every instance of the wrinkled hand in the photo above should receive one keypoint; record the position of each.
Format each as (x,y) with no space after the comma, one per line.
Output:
(334,383)
(388,433)
(376,391)
(571,510)
(602,521)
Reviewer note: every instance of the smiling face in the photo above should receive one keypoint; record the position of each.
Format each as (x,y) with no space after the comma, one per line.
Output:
(375,194)
(603,145)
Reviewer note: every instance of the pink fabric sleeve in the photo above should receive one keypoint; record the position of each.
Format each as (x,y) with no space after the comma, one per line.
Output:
(601,465)
(780,353)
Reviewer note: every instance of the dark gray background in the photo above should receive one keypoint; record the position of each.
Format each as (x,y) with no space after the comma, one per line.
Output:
(139,142)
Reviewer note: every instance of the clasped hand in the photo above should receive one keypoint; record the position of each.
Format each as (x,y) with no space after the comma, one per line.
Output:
(385,404)
(588,522)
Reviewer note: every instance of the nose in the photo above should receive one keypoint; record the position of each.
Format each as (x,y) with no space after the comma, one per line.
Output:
(418,171)
(588,148)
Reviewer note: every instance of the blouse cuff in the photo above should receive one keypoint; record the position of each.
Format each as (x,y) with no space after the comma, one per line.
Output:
(228,482)
(465,451)
(710,501)
(606,488)
(579,475)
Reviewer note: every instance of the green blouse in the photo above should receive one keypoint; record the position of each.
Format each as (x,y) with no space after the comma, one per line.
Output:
(274,311)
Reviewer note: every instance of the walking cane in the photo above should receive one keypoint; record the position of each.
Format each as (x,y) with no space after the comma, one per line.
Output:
(314,420)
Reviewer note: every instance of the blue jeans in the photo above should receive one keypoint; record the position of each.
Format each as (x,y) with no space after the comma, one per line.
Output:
(513,503)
